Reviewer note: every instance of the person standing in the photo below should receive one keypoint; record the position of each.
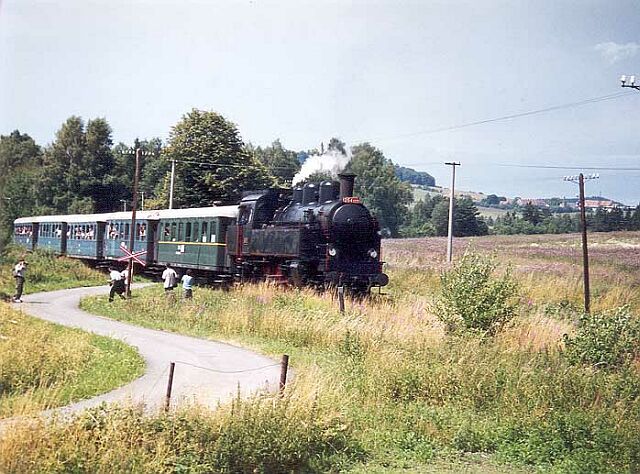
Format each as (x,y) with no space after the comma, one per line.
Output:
(117,284)
(169,277)
(187,284)
(18,273)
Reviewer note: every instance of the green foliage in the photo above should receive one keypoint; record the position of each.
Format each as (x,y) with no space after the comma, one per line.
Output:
(385,195)
(20,158)
(412,176)
(609,340)
(283,164)
(215,166)
(472,297)
(466,218)
(261,435)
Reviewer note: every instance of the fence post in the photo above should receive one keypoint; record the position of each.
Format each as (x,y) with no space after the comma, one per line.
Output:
(341,298)
(167,401)
(284,366)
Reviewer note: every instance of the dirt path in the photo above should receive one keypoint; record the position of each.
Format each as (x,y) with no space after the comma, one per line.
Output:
(206,372)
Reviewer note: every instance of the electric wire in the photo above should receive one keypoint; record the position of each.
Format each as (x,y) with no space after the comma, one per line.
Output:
(512,116)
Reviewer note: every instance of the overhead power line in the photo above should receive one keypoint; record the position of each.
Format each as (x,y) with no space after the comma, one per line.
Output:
(513,116)
(556,167)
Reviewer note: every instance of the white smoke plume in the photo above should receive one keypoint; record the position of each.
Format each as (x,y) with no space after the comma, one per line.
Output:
(332,161)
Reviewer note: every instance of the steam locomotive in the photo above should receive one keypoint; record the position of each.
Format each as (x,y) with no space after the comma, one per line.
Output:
(318,235)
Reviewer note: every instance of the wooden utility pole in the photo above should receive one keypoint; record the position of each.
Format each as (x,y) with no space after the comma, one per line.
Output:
(132,231)
(173,177)
(453,165)
(585,250)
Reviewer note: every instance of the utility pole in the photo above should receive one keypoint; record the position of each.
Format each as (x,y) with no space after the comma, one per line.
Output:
(173,177)
(142,204)
(629,82)
(585,252)
(132,229)
(453,165)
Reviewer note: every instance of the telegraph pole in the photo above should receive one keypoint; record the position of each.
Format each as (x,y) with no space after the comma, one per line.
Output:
(453,165)
(132,230)
(173,177)
(585,251)
(629,82)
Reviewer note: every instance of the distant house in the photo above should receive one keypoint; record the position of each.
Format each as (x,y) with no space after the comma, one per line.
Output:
(596,203)
(541,203)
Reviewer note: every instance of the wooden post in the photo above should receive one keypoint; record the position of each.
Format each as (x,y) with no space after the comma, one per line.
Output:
(132,229)
(284,366)
(585,251)
(167,402)
(341,298)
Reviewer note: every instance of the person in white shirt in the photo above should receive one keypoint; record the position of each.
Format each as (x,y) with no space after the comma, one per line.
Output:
(117,283)
(169,277)
(18,273)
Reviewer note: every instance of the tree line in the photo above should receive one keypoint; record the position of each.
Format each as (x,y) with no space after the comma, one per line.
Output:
(533,220)
(82,171)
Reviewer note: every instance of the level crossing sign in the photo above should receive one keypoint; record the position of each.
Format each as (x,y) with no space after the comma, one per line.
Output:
(132,256)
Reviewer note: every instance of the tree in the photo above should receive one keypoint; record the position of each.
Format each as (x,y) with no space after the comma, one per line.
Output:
(414,177)
(283,164)
(376,183)
(20,157)
(214,164)
(64,169)
(466,220)
(531,214)
(335,144)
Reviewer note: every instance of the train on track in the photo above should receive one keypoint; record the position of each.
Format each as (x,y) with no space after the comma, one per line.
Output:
(318,234)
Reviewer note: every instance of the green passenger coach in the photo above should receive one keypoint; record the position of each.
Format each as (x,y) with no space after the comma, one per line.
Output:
(195,238)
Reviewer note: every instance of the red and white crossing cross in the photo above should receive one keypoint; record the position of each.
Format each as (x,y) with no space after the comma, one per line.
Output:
(131,255)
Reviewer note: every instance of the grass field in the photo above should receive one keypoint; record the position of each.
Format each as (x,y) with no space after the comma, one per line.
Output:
(385,387)
(44,365)
(45,272)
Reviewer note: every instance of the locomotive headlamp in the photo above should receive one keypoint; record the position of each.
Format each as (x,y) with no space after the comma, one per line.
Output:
(373,253)
(333,252)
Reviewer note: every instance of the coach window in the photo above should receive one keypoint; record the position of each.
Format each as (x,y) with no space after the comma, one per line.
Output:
(166,233)
(212,229)
(195,234)
(187,234)
(204,231)
(180,235)
(173,231)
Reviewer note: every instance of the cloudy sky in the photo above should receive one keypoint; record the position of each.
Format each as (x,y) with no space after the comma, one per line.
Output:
(395,73)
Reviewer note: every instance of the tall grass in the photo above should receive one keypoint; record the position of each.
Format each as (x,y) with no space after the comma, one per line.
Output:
(404,393)
(43,365)
(262,435)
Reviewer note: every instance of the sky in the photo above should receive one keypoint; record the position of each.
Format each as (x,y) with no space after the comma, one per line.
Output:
(393,73)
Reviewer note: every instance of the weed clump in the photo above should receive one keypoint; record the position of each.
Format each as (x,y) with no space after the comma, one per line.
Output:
(608,340)
(473,297)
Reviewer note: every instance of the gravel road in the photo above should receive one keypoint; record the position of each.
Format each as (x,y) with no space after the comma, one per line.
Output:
(206,372)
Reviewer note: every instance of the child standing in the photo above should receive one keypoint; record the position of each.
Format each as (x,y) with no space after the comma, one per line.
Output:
(187,284)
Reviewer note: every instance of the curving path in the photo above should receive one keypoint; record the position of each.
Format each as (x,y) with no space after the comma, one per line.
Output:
(194,381)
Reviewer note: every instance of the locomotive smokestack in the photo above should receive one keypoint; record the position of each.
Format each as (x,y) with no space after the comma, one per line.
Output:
(346,184)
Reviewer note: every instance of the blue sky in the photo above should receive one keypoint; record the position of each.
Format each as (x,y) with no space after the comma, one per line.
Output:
(378,71)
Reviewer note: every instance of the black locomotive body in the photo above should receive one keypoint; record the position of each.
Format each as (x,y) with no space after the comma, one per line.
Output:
(321,235)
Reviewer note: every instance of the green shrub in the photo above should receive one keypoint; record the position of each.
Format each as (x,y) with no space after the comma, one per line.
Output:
(608,339)
(473,297)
